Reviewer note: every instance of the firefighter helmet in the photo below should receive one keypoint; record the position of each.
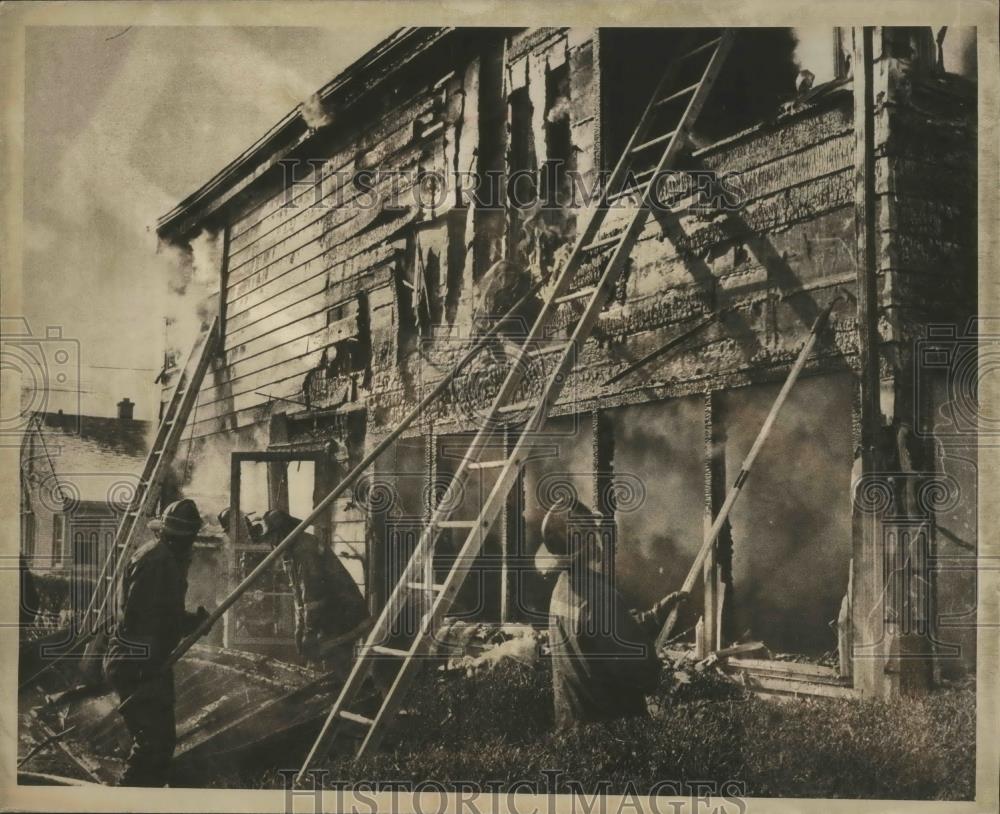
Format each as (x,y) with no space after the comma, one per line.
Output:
(280,521)
(180,519)
(569,531)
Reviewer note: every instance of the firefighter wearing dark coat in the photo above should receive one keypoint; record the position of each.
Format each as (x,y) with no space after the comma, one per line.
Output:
(151,621)
(604,659)
(330,611)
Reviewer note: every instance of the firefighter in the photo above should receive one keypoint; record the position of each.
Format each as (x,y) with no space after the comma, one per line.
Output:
(604,658)
(330,611)
(151,622)
(251,527)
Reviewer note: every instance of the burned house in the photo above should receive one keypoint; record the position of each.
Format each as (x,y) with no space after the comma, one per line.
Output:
(77,475)
(354,257)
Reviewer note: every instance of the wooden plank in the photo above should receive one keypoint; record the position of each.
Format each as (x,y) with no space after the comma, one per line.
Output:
(866,545)
(263,217)
(808,164)
(334,226)
(224,392)
(275,340)
(328,268)
(778,140)
(341,206)
(277,316)
(784,686)
(279,355)
(296,358)
(287,387)
(281,317)
(313,288)
(786,668)
(349,247)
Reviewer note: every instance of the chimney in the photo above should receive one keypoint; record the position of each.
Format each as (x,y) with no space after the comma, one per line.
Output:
(125,408)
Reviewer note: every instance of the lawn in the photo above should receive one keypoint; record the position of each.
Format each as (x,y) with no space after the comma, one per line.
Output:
(496,728)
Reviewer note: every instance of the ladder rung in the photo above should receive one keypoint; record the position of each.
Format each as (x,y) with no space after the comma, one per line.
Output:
(703,47)
(682,92)
(497,464)
(355,718)
(576,295)
(516,407)
(388,651)
(457,524)
(625,193)
(643,179)
(548,349)
(511,348)
(600,244)
(653,142)
(423,586)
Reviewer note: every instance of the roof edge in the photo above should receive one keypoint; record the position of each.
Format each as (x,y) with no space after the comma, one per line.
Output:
(291,129)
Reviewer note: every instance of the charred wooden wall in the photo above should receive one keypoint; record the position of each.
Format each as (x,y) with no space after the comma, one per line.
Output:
(333,302)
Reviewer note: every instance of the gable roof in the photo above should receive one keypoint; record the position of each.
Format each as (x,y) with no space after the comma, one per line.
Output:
(94,459)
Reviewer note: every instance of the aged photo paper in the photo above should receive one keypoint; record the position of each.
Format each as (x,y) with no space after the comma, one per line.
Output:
(489,407)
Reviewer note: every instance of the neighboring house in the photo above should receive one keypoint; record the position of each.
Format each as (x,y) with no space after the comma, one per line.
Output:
(77,475)
(343,294)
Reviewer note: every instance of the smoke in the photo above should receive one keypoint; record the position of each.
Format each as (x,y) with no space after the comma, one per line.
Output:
(814,52)
(192,273)
(959,51)
(661,445)
(202,470)
(314,114)
(559,110)
(791,526)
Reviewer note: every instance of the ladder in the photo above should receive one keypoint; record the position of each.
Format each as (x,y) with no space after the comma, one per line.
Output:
(657,142)
(158,461)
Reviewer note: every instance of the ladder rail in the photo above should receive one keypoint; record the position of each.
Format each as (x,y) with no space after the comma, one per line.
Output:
(159,458)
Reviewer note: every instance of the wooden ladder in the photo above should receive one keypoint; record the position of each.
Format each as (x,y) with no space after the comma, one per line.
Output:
(158,461)
(658,140)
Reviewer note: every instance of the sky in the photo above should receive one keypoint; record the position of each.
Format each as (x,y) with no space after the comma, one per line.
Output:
(120,125)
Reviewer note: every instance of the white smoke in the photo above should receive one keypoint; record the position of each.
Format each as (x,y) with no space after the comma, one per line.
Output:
(558,111)
(314,114)
(203,472)
(193,276)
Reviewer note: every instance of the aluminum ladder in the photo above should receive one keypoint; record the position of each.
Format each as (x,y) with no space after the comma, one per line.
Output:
(158,461)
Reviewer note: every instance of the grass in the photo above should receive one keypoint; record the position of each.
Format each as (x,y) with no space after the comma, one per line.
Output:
(497,728)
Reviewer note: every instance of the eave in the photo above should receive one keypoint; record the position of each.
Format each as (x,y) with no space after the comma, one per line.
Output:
(356,82)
